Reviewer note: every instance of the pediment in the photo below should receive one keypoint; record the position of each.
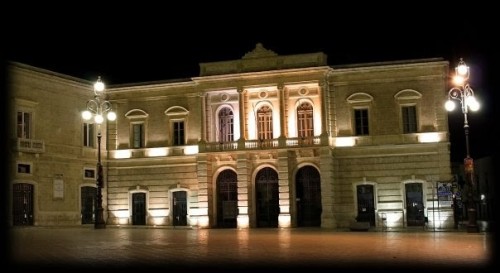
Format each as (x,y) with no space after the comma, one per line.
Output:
(408,94)
(359,98)
(136,113)
(176,111)
(259,52)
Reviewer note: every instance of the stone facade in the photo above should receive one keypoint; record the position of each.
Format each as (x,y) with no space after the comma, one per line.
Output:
(168,156)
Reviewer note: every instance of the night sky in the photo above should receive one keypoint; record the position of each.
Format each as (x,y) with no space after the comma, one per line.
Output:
(132,43)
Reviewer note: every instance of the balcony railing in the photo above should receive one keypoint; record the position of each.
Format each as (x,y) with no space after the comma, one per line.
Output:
(263,144)
(27,145)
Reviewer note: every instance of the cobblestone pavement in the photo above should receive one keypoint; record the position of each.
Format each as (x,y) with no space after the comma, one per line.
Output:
(233,249)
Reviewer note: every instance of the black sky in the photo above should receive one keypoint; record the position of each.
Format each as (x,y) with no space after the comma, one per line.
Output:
(132,43)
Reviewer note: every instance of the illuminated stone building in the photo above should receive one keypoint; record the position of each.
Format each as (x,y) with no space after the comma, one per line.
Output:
(262,141)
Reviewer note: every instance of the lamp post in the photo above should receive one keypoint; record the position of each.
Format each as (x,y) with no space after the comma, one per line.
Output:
(96,108)
(465,95)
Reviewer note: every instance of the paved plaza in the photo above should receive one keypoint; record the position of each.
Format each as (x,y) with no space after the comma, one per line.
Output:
(248,249)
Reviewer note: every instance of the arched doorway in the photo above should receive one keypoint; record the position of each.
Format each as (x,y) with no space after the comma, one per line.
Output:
(227,199)
(267,198)
(308,197)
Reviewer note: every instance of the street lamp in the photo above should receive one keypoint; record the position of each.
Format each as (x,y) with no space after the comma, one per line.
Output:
(464,93)
(96,108)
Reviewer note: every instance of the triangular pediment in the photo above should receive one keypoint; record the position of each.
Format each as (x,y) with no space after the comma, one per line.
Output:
(259,52)
(263,59)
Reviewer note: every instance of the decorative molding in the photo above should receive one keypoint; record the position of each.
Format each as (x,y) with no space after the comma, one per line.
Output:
(176,110)
(136,113)
(359,98)
(408,94)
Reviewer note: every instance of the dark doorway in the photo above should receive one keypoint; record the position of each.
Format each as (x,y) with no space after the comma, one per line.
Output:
(22,206)
(267,198)
(308,197)
(227,199)
(414,205)
(88,195)
(139,208)
(180,208)
(366,204)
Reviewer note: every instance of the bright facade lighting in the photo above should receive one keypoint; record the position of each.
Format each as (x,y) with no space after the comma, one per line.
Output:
(428,137)
(191,150)
(243,222)
(345,142)
(159,212)
(122,154)
(284,221)
(121,213)
(153,152)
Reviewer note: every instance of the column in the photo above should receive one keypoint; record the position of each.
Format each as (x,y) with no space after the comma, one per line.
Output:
(241,107)
(323,89)
(281,94)
(243,219)
(203,140)
(284,218)
(203,220)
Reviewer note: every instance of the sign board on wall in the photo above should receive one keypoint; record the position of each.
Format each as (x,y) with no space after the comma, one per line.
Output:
(58,187)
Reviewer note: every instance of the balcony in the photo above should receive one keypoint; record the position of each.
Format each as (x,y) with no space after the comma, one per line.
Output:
(262,144)
(33,146)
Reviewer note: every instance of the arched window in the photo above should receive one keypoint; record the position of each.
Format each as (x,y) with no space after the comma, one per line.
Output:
(305,124)
(226,121)
(265,122)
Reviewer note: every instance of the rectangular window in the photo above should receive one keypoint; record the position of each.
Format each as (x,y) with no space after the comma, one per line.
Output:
(88,135)
(361,120)
(23,168)
(88,173)
(409,119)
(178,137)
(137,135)
(23,125)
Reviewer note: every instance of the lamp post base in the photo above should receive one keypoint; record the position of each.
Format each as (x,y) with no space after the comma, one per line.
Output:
(472,226)
(472,229)
(99,221)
